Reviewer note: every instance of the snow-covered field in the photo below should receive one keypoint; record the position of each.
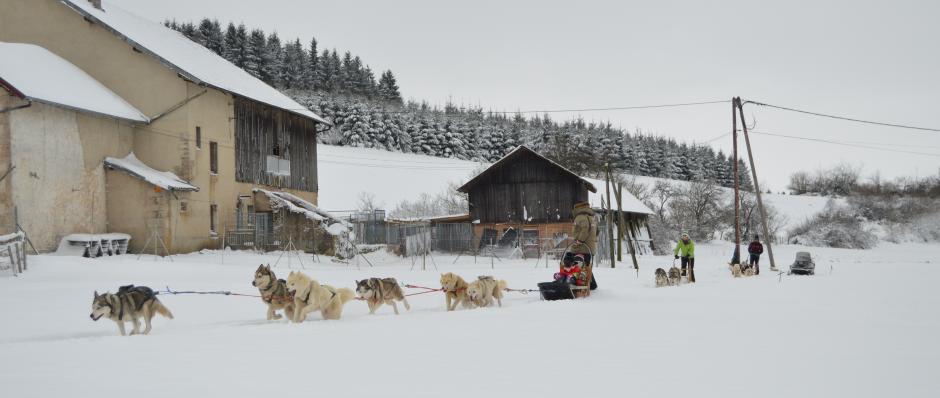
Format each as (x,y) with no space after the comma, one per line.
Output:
(865,326)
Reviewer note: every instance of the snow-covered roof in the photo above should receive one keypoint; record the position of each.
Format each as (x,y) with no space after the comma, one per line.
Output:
(36,74)
(163,179)
(511,155)
(297,205)
(628,202)
(188,58)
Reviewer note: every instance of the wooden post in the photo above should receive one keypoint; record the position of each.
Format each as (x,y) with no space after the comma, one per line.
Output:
(610,220)
(12,260)
(734,161)
(22,246)
(617,189)
(630,243)
(760,202)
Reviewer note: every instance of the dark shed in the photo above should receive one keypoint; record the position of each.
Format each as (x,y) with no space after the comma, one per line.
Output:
(526,187)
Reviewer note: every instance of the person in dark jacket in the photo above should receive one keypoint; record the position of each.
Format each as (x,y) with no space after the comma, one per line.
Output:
(755,249)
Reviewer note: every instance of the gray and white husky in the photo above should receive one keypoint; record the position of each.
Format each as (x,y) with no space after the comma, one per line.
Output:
(130,303)
(377,291)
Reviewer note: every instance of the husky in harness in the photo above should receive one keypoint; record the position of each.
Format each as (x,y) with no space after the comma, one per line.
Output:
(455,291)
(310,295)
(377,291)
(273,292)
(130,303)
(483,290)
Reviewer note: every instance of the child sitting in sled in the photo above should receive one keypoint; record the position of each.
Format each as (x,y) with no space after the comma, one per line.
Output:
(570,270)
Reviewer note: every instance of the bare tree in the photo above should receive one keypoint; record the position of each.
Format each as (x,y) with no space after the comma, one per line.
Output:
(367,202)
(800,183)
(659,198)
(638,189)
(696,209)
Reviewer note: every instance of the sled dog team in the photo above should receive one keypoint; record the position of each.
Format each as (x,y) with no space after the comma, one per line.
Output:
(298,296)
(672,278)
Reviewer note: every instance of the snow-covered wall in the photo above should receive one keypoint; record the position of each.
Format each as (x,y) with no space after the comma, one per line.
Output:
(59,186)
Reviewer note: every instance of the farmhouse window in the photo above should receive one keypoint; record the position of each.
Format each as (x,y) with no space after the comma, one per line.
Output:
(213,157)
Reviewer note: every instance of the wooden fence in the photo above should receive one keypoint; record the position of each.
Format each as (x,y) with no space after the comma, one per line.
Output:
(13,249)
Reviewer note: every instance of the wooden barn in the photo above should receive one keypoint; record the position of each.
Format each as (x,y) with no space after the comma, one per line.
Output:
(523,202)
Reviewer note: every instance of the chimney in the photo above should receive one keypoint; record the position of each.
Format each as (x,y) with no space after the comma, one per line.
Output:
(96,4)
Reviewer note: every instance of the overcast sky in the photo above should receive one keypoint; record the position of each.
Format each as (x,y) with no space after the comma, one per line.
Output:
(863,59)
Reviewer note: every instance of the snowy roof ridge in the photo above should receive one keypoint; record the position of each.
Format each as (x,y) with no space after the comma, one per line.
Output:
(295,204)
(193,61)
(37,74)
(523,148)
(163,179)
(628,202)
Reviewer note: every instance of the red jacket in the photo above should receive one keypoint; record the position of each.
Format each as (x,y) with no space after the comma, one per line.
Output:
(755,248)
(573,272)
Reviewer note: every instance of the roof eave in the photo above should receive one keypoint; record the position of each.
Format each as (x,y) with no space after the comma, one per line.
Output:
(177,69)
(144,120)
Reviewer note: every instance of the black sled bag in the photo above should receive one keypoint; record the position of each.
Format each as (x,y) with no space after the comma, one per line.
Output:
(555,291)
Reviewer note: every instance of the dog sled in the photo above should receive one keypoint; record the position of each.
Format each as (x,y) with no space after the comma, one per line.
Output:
(562,290)
(803,264)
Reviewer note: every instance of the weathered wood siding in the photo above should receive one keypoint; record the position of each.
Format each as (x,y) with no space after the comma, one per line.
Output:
(257,128)
(526,185)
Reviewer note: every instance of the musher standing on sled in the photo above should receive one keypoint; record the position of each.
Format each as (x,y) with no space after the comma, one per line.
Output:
(686,247)
(584,232)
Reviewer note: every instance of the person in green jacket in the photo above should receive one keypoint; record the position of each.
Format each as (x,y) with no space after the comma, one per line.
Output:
(686,247)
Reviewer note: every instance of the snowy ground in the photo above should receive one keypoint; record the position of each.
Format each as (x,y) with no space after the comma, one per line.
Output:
(865,326)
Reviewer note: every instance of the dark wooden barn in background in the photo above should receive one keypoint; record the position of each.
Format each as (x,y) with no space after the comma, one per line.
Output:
(525,187)
(524,201)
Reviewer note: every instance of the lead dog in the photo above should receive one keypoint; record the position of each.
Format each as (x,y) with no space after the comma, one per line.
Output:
(273,293)
(675,276)
(377,291)
(455,291)
(482,291)
(661,278)
(310,295)
(130,303)
(736,270)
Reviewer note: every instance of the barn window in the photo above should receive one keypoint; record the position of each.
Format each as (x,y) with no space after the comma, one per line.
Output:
(213,157)
(198,137)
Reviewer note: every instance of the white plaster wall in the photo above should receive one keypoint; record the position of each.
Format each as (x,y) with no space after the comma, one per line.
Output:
(55,195)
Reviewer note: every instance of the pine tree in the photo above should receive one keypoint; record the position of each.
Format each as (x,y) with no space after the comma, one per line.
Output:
(292,67)
(312,67)
(234,45)
(255,53)
(273,61)
(209,34)
(388,88)
(336,80)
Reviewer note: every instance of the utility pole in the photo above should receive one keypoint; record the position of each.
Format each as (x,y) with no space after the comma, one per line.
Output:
(760,202)
(734,160)
(610,219)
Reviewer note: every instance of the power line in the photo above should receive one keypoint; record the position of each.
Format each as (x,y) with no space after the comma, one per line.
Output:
(844,117)
(845,144)
(614,108)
